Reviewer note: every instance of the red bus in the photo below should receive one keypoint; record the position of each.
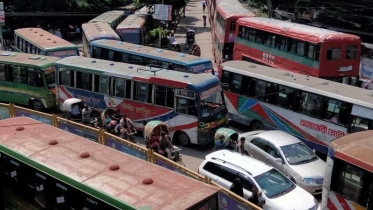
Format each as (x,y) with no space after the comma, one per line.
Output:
(224,26)
(298,48)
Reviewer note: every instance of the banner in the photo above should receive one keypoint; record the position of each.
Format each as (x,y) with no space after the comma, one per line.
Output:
(125,149)
(47,120)
(366,69)
(91,135)
(168,166)
(228,203)
(4,112)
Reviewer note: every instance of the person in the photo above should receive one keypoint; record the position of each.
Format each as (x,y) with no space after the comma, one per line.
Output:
(184,12)
(126,123)
(254,198)
(203,6)
(86,114)
(77,32)
(219,144)
(165,144)
(58,33)
(236,187)
(204,21)
(171,39)
(195,50)
(241,146)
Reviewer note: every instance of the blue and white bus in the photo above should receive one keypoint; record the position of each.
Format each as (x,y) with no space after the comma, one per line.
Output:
(142,55)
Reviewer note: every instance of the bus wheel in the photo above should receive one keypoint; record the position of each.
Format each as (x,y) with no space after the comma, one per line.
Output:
(256,126)
(182,138)
(36,105)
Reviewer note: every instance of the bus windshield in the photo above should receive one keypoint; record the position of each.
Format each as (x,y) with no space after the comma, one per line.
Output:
(63,53)
(211,101)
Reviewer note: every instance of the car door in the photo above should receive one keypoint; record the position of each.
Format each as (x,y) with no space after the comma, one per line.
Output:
(257,148)
(247,185)
(274,156)
(218,174)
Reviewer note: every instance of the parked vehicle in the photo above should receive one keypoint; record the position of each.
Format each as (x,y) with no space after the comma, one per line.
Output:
(289,155)
(279,192)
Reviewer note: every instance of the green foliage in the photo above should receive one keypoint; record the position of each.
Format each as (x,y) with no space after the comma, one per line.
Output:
(155,32)
(176,4)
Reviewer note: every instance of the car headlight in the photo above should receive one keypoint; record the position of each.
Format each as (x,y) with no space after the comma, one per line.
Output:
(308,180)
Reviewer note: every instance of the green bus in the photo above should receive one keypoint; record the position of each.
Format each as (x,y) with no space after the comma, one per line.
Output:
(113,18)
(27,79)
(40,42)
(57,170)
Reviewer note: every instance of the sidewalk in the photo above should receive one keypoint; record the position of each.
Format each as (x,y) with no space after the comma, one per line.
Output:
(194,20)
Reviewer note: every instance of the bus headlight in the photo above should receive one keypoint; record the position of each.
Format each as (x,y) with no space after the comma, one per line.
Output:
(308,181)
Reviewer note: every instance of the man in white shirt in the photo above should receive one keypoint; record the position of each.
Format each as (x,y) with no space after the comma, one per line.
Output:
(86,115)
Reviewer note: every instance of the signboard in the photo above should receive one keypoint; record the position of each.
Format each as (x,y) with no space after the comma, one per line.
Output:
(4,113)
(207,93)
(228,203)
(91,135)
(162,12)
(366,69)
(62,54)
(202,68)
(125,149)
(47,120)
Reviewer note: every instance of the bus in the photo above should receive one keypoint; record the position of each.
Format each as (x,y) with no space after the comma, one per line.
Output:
(40,42)
(298,48)
(312,109)
(96,31)
(191,103)
(224,27)
(349,184)
(28,80)
(136,29)
(143,55)
(65,171)
(113,18)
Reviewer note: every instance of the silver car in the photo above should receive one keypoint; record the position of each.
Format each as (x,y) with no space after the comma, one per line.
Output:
(289,155)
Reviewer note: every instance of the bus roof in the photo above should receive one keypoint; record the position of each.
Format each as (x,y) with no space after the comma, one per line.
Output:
(298,31)
(355,148)
(108,17)
(228,9)
(151,52)
(43,39)
(339,91)
(96,31)
(132,21)
(143,11)
(169,190)
(17,58)
(179,79)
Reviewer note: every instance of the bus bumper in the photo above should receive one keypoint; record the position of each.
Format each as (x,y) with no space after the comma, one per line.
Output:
(205,138)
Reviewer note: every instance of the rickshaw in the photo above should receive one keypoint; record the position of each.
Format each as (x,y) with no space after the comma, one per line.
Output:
(175,47)
(72,109)
(230,137)
(152,136)
(190,38)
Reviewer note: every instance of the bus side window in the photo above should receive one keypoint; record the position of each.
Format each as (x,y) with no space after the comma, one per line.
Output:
(128,89)
(284,95)
(96,52)
(62,196)
(35,79)
(360,124)
(125,58)
(259,90)
(119,88)
(102,84)
(311,104)
(160,95)
(140,92)
(236,83)
(137,60)
(40,182)
(84,81)
(110,56)
(333,53)
(225,78)
(2,72)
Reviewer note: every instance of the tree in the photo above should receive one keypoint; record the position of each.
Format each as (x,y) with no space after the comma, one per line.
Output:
(176,4)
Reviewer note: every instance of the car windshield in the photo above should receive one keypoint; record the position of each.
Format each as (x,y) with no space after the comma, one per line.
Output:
(212,104)
(274,184)
(298,153)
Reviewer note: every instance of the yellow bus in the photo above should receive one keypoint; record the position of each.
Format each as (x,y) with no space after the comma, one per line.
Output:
(40,42)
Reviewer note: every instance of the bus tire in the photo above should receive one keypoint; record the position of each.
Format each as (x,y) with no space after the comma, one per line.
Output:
(182,138)
(36,105)
(256,125)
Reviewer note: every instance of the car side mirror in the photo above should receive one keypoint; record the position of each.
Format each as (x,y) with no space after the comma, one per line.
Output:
(279,160)
(314,151)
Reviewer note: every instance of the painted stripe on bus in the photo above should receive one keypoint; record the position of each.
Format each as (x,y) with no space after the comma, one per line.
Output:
(337,202)
(280,53)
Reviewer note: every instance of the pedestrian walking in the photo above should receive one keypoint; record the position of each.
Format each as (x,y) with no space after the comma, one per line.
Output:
(184,12)
(77,32)
(203,6)
(236,187)
(204,21)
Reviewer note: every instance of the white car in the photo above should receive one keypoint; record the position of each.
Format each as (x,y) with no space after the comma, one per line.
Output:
(289,155)
(279,192)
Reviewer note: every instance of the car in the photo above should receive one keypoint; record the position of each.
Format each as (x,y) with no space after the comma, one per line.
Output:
(289,155)
(279,192)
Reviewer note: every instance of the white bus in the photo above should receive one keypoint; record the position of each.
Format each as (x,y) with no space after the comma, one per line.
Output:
(315,110)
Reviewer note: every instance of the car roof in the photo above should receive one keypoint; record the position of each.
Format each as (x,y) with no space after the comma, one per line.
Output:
(246,163)
(278,138)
